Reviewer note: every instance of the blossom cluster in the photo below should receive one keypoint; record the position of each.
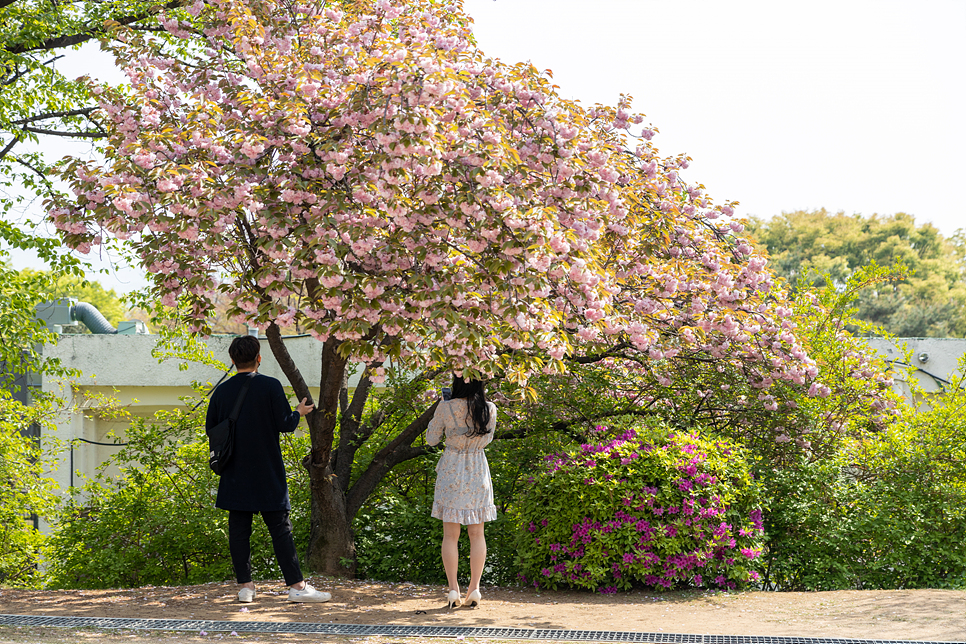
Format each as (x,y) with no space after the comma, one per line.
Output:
(660,509)
(368,174)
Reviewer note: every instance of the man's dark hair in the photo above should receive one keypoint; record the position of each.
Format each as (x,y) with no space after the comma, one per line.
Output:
(243,351)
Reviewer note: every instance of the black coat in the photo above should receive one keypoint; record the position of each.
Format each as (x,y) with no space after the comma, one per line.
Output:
(254,479)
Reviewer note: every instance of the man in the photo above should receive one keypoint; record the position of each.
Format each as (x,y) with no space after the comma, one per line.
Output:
(253,481)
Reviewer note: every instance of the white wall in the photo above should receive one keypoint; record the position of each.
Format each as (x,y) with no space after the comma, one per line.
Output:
(122,367)
(936,360)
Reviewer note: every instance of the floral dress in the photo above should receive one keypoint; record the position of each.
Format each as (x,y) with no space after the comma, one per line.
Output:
(464,492)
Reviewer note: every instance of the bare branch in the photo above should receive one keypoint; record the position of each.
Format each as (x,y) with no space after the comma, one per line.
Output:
(72,135)
(397,451)
(9,147)
(86,111)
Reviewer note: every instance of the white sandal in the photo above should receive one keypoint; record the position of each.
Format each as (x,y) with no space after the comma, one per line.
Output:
(453,599)
(473,599)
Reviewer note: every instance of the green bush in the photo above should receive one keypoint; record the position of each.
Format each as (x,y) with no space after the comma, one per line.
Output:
(398,540)
(887,512)
(156,523)
(654,507)
(24,491)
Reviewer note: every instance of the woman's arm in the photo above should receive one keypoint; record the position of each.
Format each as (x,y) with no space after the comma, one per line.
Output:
(491,426)
(436,428)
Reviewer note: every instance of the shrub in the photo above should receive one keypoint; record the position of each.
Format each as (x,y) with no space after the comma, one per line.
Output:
(809,518)
(157,523)
(138,529)
(398,540)
(653,506)
(886,512)
(24,491)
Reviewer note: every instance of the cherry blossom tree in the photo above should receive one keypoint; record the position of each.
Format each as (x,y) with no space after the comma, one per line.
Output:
(364,170)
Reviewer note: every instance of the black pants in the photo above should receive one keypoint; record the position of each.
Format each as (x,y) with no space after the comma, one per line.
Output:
(240,547)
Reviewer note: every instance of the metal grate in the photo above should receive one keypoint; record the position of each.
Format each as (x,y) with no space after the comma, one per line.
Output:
(400,630)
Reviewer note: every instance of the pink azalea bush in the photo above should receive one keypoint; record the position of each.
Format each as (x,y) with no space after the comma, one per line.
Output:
(654,507)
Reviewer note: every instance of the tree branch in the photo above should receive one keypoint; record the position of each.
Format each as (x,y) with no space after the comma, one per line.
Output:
(286,363)
(15,75)
(353,416)
(612,352)
(351,432)
(247,238)
(397,451)
(95,32)
(323,421)
(79,135)
(86,111)
(35,170)
(9,147)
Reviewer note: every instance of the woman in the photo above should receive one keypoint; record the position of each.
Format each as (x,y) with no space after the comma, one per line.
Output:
(464,493)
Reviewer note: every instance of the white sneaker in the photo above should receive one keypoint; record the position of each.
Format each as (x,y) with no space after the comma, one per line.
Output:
(308,594)
(246,595)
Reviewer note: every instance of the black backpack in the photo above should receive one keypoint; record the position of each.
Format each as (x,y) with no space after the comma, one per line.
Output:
(221,437)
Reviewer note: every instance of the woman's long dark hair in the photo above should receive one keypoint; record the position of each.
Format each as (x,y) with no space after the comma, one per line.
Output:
(476,407)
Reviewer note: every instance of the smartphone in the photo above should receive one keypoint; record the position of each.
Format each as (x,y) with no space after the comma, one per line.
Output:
(446,393)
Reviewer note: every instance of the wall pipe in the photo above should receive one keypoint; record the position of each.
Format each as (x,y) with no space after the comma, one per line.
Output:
(91,318)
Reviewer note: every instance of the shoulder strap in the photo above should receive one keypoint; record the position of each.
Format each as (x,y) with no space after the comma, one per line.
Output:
(241,398)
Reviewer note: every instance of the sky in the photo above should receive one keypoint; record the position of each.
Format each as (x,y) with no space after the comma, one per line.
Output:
(847,105)
(850,105)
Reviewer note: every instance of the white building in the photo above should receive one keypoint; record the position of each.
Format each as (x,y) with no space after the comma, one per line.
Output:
(123,368)
(935,360)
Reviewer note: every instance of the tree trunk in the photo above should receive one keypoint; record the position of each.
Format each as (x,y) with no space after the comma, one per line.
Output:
(331,549)
(331,546)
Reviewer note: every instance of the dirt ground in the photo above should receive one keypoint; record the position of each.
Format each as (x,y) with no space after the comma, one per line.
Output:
(932,615)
